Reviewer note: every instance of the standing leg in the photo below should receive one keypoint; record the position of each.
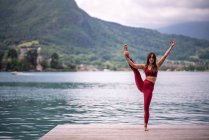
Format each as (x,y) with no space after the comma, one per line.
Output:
(147,101)
(147,90)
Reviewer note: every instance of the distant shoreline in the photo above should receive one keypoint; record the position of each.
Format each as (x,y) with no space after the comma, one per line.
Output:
(94,71)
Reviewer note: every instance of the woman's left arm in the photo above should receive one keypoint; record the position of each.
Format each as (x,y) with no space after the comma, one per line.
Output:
(172,43)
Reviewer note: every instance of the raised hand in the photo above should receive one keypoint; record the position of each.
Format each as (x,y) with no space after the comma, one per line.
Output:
(172,43)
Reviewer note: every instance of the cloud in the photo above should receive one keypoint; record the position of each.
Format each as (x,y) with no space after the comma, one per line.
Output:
(147,13)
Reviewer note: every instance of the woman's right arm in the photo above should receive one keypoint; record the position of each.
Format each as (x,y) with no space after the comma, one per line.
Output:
(136,66)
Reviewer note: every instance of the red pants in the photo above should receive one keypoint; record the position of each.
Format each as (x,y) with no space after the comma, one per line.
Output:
(145,87)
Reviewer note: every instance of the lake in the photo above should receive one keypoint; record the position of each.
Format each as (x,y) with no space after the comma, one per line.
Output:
(31,104)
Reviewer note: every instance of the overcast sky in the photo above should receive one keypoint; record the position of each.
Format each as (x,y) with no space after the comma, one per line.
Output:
(147,13)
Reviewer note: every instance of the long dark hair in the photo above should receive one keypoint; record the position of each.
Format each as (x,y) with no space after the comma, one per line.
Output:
(154,68)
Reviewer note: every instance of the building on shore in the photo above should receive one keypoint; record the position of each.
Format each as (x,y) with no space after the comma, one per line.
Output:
(31,51)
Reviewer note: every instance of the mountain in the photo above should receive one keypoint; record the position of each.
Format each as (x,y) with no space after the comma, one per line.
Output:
(61,26)
(193,29)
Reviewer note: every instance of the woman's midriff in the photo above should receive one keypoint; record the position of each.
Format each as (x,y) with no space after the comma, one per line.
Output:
(151,79)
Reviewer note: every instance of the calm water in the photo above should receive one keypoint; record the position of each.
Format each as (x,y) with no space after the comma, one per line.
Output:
(31,104)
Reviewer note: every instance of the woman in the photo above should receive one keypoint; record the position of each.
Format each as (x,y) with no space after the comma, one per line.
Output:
(151,69)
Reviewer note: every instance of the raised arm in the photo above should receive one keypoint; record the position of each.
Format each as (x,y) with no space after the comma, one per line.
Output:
(172,43)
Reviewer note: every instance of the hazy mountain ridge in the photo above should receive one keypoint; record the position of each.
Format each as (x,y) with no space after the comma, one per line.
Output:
(193,29)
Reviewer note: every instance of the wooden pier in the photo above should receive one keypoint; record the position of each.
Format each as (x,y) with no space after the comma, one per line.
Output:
(127,132)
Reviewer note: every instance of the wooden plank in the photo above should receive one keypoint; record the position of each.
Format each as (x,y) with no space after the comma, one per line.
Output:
(127,132)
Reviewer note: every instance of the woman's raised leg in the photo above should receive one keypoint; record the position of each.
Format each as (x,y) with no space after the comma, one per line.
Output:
(138,79)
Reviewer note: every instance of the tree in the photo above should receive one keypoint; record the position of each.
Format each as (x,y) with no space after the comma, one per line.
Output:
(32,57)
(11,62)
(54,61)
(44,64)
(1,59)
(24,65)
(12,54)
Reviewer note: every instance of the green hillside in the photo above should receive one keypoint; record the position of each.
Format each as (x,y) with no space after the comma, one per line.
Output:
(62,27)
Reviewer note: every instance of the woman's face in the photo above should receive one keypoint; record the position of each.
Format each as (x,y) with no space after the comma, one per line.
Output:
(151,59)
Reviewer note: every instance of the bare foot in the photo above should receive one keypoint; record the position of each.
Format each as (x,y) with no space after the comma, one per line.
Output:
(125,52)
(146,129)
(125,47)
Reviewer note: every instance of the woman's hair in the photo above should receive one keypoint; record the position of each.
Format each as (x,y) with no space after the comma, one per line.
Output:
(154,69)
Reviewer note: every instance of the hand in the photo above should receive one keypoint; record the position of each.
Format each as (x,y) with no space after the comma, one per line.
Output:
(172,43)
(126,54)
